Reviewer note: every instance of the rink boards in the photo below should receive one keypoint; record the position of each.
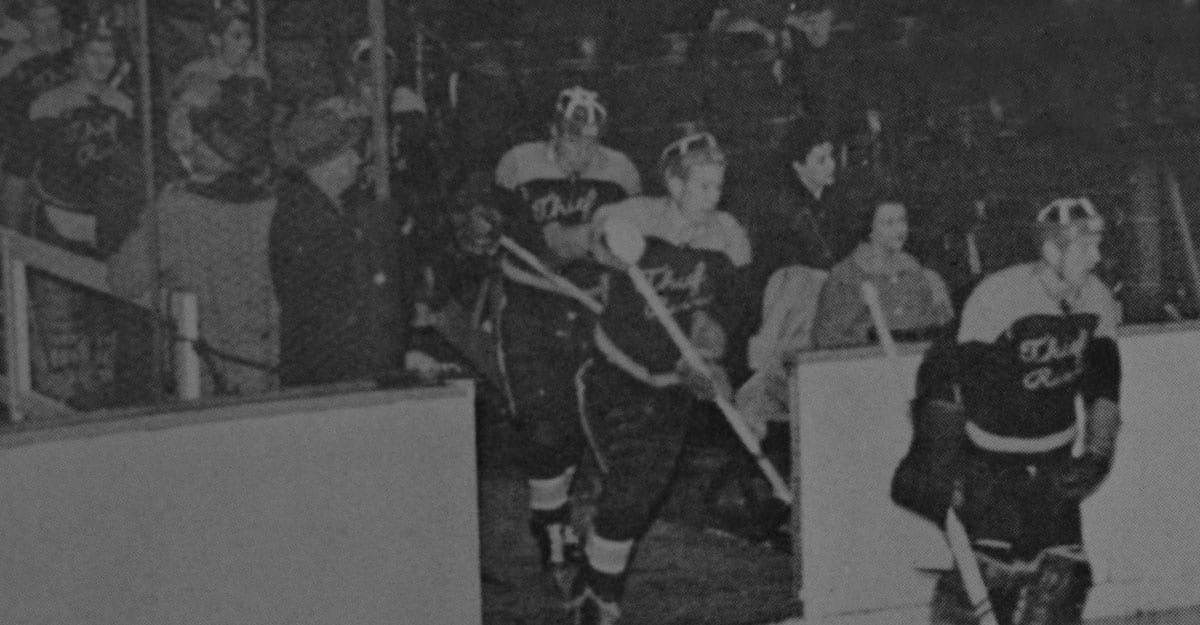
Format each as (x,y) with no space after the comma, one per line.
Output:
(356,507)
(861,559)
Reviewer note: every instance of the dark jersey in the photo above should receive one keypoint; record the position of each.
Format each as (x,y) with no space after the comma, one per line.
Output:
(1027,352)
(72,150)
(688,280)
(28,80)
(543,194)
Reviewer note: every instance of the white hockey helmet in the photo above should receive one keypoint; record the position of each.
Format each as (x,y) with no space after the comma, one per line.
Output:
(578,111)
(1066,219)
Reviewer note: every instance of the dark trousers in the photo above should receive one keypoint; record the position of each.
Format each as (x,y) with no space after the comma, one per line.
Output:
(638,432)
(1011,500)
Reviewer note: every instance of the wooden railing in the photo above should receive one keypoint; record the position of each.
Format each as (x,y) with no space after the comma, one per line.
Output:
(19,254)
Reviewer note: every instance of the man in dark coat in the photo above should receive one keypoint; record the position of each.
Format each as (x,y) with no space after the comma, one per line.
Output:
(329,272)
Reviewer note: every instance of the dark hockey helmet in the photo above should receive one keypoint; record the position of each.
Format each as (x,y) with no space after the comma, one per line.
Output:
(695,148)
(1066,219)
(578,111)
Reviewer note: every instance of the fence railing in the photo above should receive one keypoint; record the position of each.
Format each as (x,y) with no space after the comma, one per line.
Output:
(19,254)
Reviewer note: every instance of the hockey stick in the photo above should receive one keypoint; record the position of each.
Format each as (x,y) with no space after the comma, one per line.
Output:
(564,286)
(627,244)
(956,534)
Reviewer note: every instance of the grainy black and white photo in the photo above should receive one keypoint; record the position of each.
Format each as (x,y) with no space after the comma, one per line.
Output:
(600,312)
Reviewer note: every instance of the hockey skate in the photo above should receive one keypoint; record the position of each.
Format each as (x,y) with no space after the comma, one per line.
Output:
(559,551)
(587,606)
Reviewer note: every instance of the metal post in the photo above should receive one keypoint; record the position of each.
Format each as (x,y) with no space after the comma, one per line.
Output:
(1145,289)
(186,316)
(1185,232)
(148,176)
(261,35)
(382,91)
(418,51)
(16,328)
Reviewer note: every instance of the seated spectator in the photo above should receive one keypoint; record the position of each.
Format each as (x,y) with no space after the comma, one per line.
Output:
(802,224)
(336,285)
(914,298)
(212,236)
(232,65)
(796,224)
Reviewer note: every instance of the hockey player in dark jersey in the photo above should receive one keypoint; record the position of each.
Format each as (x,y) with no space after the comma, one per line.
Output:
(1038,371)
(81,196)
(637,393)
(554,187)
(31,67)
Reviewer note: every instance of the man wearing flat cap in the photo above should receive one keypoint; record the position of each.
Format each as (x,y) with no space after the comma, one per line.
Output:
(324,265)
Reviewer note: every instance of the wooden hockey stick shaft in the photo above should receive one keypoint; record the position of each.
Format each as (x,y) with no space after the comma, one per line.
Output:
(968,568)
(693,358)
(1080,444)
(956,534)
(565,286)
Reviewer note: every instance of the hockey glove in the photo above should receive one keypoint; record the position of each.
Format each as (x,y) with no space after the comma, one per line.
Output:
(1080,477)
(707,385)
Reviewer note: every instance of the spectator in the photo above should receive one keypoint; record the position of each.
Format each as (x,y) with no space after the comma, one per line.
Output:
(488,111)
(803,223)
(761,17)
(232,65)
(796,225)
(29,68)
(12,31)
(413,171)
(817,65)
(914,298)
(78,151)
(212,234)
(326,270)
(75,167)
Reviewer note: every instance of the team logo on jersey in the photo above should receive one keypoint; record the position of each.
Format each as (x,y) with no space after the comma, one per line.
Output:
(681,292)
(1050,349)
(1060,360)
(95,134)
(551,206)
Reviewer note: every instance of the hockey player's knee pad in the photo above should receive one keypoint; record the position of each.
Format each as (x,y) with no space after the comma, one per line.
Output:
(1058,590)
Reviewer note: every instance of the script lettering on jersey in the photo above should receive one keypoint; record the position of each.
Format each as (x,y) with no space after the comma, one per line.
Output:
(1061,359)
(551,206)
(96,138)
(681,293)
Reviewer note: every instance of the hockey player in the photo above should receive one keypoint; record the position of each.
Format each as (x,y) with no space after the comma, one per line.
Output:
(555,186)
(81,181)
(29,68)
(637,393)
(1038,371)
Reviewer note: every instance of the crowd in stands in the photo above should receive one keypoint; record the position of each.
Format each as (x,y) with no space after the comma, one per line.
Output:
(271,213)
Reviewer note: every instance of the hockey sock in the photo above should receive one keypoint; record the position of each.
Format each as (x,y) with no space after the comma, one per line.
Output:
(550,522)
(607,561)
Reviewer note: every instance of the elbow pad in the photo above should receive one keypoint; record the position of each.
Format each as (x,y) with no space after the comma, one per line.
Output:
(1101,371)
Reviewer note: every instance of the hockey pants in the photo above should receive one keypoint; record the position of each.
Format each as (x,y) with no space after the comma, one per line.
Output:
(1028,540)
